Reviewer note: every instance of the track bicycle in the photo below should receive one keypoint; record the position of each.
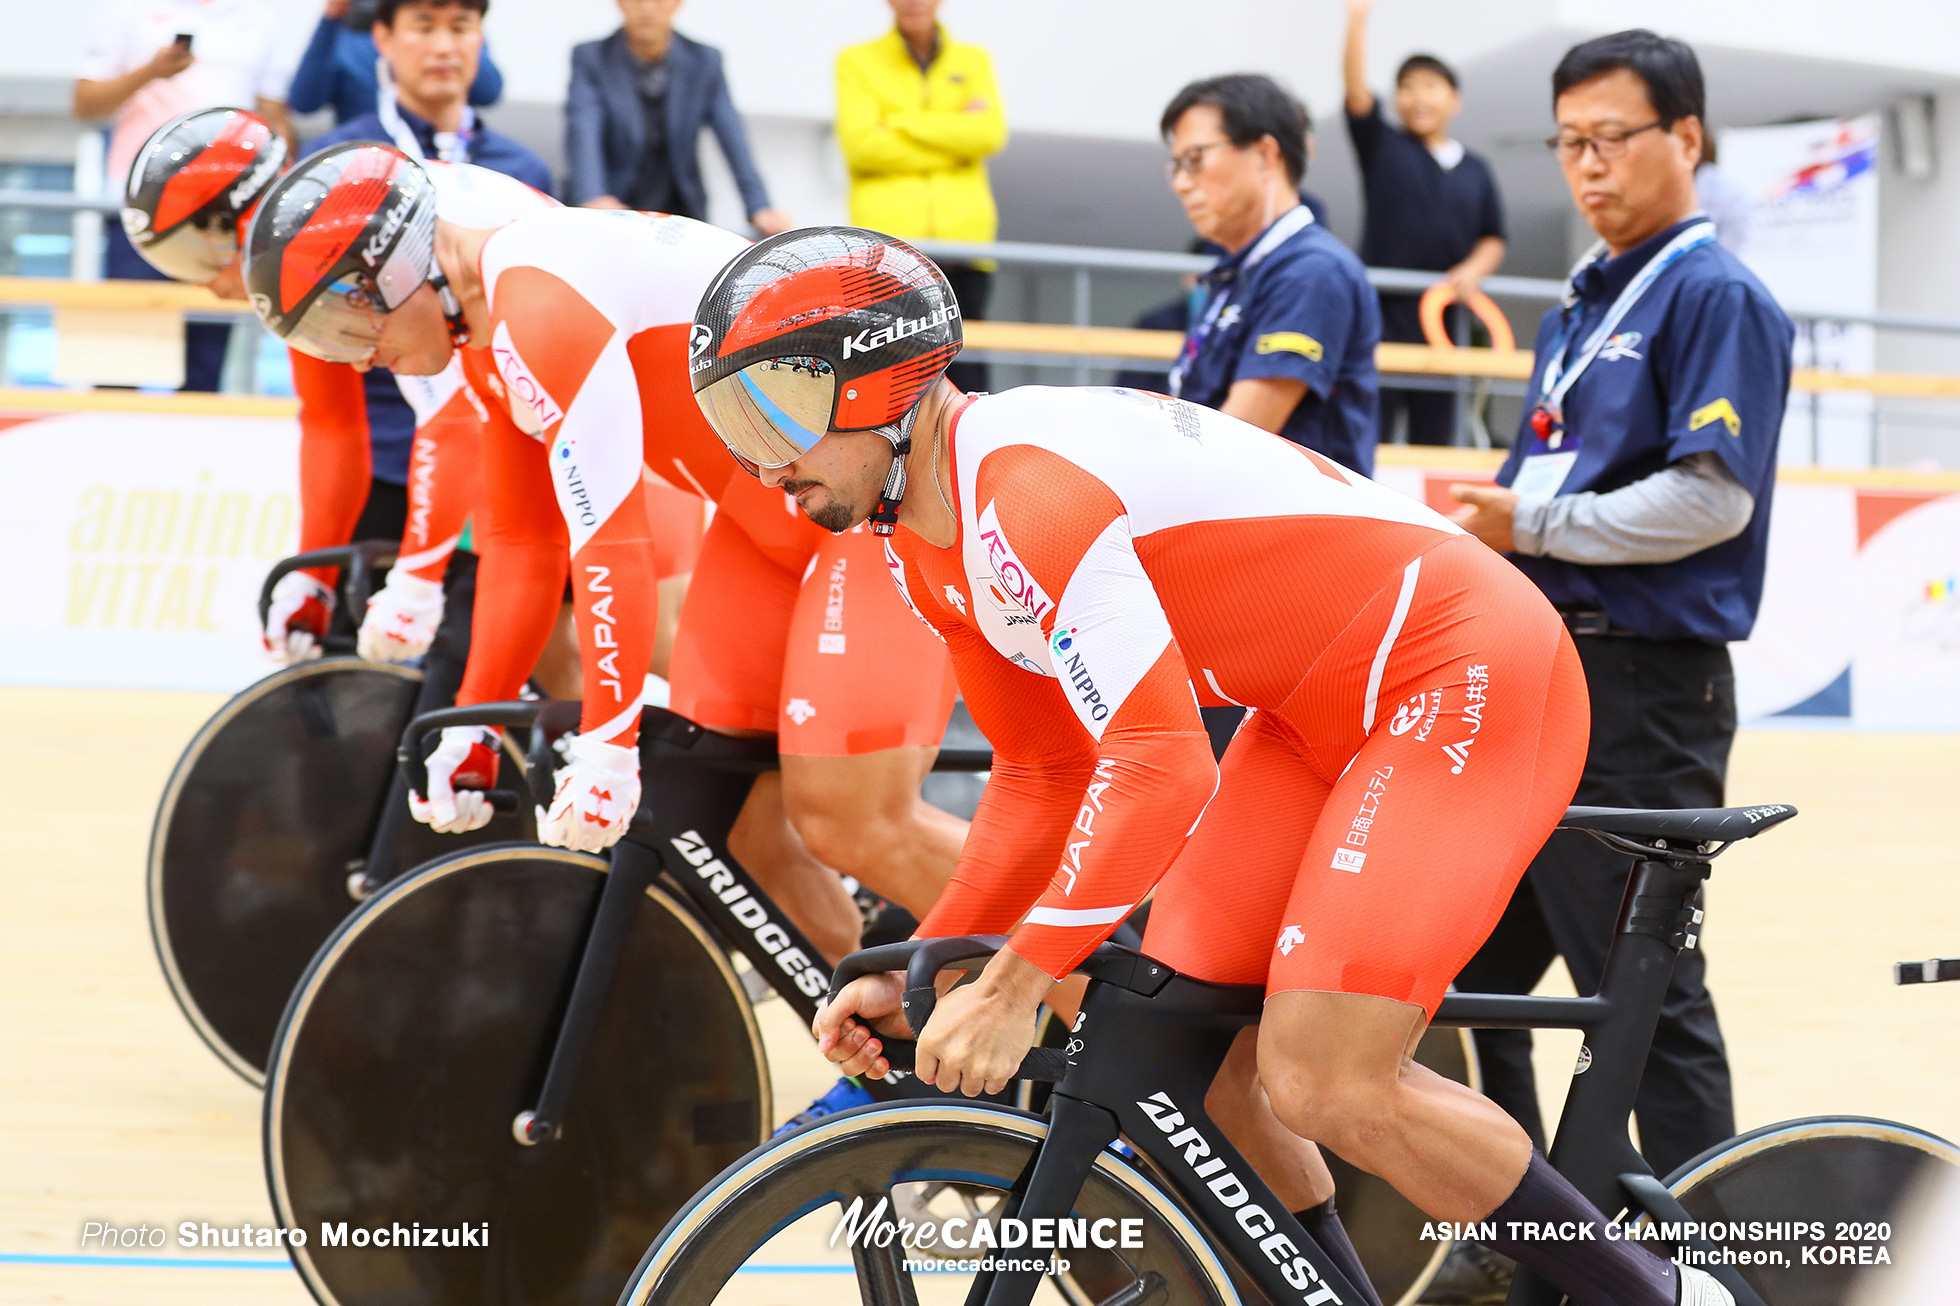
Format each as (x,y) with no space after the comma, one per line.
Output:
(1138,1067)
(555,1045)
(287,808)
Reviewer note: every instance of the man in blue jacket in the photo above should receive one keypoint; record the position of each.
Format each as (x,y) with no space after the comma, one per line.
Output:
(337,69)
(633,116)
(431,50)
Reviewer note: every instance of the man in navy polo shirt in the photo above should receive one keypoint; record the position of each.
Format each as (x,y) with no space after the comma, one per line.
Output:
(1285,334)
(1638,499)
(432,49)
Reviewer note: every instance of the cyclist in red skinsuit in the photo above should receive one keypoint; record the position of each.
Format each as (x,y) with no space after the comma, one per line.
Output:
(577,325)
(584,355)
(1102,563)
(189,197)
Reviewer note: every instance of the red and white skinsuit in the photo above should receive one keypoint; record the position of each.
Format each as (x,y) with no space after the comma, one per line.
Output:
(1418,722)
(584,374)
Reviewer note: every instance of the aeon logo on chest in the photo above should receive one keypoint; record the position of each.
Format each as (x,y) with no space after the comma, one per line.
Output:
(521,383)
(1016,581)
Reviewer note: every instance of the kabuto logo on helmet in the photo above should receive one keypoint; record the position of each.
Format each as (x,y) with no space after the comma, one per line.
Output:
(867,340)
(192,186)
(342,240)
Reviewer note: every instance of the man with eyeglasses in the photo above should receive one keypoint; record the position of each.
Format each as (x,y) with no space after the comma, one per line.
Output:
(1284,335)
(1637,496)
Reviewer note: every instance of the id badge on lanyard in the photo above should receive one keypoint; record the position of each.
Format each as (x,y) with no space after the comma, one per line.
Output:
(1541,475)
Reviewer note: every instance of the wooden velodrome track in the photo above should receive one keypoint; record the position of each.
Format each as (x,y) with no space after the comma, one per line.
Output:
(115,1112)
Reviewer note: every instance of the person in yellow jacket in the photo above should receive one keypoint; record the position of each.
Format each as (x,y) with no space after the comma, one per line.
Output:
(918,115)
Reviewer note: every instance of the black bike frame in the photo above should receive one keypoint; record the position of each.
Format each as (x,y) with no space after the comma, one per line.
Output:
(442,670)
(694,783)
(1149,1041)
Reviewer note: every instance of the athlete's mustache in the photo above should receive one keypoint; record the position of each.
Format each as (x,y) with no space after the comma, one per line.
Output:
(794,488)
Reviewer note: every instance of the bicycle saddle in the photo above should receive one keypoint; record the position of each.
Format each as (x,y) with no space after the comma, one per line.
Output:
(1686,825)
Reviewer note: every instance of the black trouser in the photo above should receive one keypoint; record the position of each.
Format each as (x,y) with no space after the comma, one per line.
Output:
(1663,717)
(971,287)
(1432,413)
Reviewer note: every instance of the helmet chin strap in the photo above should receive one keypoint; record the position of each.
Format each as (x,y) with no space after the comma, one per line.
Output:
(884,518)
(452,309)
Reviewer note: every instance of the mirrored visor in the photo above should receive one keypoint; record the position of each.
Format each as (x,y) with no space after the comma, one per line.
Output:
(341,325)
(190,253)
(771,413)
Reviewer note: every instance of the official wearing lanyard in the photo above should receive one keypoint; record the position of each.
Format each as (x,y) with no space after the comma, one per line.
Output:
(1638,499)
(1285,335)
(429,52)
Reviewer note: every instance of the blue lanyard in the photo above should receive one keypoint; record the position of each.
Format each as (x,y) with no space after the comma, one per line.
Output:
(1558,379)
(1289,224)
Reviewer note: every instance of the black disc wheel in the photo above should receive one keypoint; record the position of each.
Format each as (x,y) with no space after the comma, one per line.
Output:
(774,1212)
(1825,1196)
(1385,1226)
(424,1028)
(270,810)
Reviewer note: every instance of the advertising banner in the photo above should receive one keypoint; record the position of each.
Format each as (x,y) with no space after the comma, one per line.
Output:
(135,544)
(1813,239)
(1860,619)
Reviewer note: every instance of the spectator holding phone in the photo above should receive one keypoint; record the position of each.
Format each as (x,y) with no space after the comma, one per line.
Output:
(338,66)
(147,61)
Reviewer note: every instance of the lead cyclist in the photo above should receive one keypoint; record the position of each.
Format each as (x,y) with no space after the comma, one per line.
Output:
(1103,562)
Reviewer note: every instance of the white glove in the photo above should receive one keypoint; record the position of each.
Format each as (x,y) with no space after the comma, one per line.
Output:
(401,620)
(598,792)
(297,620)
(464,764)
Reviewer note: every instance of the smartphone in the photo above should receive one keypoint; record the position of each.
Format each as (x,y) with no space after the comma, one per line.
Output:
(184,39)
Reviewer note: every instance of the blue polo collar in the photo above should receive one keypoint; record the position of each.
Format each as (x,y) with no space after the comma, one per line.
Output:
(1283,228)
(1604,279)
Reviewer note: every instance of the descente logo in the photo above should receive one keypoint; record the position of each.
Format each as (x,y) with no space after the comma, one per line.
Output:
(905,327)
(1231,1193)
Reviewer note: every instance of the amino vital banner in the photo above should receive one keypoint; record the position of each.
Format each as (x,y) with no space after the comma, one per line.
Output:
(1813,239)
(135,544)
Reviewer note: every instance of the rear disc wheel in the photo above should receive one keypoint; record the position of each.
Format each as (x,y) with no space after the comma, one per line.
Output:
(1843,1181)
(424,1028)
(268,812)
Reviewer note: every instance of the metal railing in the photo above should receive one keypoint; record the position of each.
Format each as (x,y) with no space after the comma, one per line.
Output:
(1086,260)
(1082,263)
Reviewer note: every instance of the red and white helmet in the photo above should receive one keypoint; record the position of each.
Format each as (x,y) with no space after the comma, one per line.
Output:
(194,186)
(824,329)
(343,240)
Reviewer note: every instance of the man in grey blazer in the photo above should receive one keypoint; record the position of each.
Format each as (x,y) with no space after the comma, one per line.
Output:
(633,119)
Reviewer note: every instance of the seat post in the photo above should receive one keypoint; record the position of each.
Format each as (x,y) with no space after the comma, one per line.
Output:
(1658,918)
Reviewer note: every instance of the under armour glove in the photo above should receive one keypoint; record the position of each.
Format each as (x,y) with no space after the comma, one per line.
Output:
(465,762)
(597,794)
(297,620)
(401,620)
